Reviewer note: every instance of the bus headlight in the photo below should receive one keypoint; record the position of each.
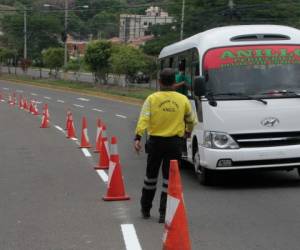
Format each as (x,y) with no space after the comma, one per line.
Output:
(219,140)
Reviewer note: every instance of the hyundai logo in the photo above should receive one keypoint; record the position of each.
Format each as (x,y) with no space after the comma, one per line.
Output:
(270,122)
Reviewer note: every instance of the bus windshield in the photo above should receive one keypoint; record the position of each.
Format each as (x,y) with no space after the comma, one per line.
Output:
(265,71)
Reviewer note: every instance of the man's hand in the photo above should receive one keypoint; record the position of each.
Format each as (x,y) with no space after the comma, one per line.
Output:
(178,85)
(137,146)
(187,134)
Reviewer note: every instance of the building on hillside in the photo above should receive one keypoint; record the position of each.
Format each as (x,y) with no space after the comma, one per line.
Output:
(76,48)
(134,26)
(115,40)
(137,42)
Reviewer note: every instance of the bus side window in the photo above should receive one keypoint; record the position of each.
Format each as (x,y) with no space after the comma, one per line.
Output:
(171,62)
(181,65)
(197,70)
(161,64)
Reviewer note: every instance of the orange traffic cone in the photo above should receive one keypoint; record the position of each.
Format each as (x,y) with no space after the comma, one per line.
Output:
(31,107)
(115,185)
(114,155)
(176,235)
(45,117)
(25,104)
(20,102)
(71,129)
(14,98)
(85,141)
(98,136)
(68,120)
(104,151)
(35,109)
(10,100)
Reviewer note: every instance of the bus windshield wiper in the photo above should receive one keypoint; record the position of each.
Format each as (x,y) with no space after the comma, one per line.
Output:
(211,99)
(282,92)
(237,94)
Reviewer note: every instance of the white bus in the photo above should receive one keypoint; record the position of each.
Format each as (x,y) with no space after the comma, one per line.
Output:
(246,93)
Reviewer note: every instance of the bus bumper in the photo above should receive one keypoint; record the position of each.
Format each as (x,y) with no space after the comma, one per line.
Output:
(250,158)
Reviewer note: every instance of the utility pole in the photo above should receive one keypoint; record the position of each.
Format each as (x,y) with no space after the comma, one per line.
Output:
(231,4)
(231,8)
(66,33)
(25,33)
(182,19)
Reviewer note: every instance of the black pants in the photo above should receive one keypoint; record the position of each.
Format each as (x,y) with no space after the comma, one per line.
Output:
(160,151)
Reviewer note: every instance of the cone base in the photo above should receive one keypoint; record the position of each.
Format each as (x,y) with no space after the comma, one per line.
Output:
(117,198)
(96,151)
(89,146)
(71,137)
(101,167)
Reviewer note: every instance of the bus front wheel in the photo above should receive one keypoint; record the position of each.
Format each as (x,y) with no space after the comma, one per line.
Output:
(204,175)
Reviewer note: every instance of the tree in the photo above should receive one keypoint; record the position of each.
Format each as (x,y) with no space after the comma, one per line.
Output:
(104,24)
(97,58)
(127,60)
(8,56)
(54,59)
(42,33)
(164,35)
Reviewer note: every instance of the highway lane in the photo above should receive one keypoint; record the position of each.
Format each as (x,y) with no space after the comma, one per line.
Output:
(246,210)
(50,195)
(115,126)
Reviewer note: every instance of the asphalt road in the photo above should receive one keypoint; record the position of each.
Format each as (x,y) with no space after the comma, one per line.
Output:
(51,197)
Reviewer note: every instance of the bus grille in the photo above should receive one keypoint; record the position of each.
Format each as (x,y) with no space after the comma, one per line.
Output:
(267,139)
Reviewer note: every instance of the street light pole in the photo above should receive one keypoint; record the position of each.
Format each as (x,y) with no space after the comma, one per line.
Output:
(25,33)
(231,4)
(182,19)
(66,34)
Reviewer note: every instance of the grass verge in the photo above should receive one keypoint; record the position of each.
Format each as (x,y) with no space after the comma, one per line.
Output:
(130,94)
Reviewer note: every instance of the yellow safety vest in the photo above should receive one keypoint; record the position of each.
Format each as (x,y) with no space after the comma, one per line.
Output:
(166,114)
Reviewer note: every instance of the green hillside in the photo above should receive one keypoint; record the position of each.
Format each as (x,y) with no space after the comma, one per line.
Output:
(101,19)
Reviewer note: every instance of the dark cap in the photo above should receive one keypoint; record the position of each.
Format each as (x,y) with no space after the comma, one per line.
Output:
(167,77)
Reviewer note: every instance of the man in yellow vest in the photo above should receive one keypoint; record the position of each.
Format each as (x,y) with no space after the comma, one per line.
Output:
(166,115)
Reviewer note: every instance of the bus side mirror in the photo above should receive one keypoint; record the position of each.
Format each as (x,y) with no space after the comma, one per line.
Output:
(200,86)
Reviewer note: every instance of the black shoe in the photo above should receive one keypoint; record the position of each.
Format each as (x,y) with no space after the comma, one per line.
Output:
(161,218)
(145,214)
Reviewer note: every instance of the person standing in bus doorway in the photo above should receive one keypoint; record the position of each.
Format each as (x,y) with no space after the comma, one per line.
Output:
(183,83)
(166,115)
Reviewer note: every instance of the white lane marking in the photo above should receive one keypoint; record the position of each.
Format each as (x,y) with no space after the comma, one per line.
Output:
(102,175)
(34,94)
(19,91)
(59,128)
(2,100)
(38,102)
(60,101)
(83,99)
(86,152)
(121,116)
(5,88)
(77,105)
(47,97)
(130,237)
(77,142)
(98,110)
